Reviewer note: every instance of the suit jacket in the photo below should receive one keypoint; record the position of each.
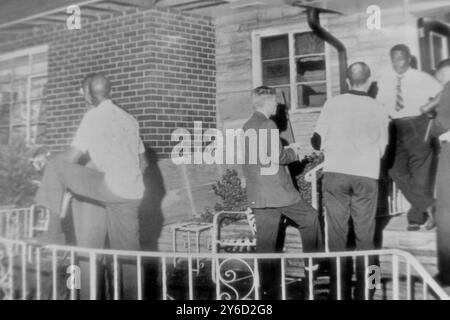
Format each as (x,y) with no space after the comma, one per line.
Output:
(264,191)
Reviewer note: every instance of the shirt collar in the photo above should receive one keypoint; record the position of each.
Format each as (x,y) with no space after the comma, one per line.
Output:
(404,74)
(358,93)
(105,103)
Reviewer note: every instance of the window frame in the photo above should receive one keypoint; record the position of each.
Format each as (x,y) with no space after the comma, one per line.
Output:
(28,52)
(445,51)
(256,36)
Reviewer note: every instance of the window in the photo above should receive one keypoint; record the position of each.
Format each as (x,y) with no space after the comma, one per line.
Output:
(294,63)
(438,47)
(23,76)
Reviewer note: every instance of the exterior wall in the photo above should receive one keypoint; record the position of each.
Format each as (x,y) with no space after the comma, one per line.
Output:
(162,67)
(234,52)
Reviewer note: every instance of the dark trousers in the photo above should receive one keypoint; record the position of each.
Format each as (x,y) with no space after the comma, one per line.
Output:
(111,215)
(443,213)
(268,221)
(414,165)
(350,199)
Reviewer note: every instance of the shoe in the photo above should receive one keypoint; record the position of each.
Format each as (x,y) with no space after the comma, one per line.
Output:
(413,227)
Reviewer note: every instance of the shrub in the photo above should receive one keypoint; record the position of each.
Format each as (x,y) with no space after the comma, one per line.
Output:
(17,175)
(229,189)
(309,162)
(233,195)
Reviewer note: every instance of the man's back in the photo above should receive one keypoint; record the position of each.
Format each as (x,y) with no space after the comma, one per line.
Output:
(275,190)
(354,134)
(111,136)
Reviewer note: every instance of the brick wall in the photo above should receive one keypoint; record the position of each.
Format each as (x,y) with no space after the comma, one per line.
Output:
(161,63)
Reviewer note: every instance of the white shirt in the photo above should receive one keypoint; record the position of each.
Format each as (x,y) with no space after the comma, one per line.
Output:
(111,136)
(354,132)
(417,88)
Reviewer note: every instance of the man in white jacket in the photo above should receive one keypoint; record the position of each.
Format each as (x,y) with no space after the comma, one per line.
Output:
(353,128)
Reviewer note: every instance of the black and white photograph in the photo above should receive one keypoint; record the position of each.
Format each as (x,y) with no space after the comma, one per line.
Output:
(232,150)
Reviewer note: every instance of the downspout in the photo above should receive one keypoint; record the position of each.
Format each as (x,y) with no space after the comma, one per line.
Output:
(312,14)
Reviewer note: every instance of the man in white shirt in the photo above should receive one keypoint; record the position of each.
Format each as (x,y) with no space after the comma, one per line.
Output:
(403,92)
(353,130)
(111,138)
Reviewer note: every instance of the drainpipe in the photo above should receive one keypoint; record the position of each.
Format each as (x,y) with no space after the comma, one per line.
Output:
(312,14)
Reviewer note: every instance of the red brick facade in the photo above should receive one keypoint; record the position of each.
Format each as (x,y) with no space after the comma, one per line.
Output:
(161,63)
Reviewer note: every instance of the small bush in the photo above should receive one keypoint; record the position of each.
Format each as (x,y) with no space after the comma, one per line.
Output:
(309,162)
(229,189)
(233,195)
(17,175)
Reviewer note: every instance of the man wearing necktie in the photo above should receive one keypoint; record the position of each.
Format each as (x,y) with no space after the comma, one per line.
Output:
(403,92)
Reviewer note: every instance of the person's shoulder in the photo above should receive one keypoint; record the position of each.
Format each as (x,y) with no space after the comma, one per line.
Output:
(91,115)
(423,76)
(269,124)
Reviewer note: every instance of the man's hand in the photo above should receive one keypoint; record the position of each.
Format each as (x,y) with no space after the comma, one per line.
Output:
(297,149)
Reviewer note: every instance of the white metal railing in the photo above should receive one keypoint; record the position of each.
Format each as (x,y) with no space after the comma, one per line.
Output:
(22,223)
(53,272)
(15,223)
(397,203)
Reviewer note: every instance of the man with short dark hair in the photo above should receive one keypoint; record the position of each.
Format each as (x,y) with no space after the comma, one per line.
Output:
(353,129)
(272,196)
(403,92)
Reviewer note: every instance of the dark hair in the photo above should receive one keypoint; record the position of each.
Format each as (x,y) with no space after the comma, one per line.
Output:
(358,73)
(401,47)
(280,117)
(443,64)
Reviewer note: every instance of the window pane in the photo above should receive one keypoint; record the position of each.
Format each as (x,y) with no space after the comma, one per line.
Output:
(276,72)
(21,67)
(311,69)
(311,95)
(439,45)
(37,87)
(19,114)
(37,134)
(275,47)
(18,134)
(39,63)
(4,135)
(5,70)
(4,114)
(37,111)
(5,92)
(307,43)
(287,95)
(19,90)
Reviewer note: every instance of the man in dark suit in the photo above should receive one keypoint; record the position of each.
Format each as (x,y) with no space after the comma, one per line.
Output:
(441,130)
(271,193)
